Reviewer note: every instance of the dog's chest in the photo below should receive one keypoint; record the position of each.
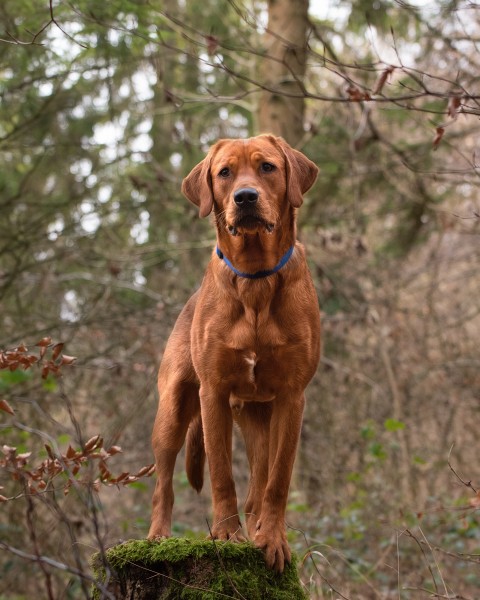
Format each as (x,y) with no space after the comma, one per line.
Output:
(257,330)
(253,350)
(254,358)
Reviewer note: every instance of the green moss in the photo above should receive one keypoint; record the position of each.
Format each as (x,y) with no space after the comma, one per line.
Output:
(179,568)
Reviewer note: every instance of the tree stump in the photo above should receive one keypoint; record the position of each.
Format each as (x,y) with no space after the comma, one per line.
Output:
(178,568)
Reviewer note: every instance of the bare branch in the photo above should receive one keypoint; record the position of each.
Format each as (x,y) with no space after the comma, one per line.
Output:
(47,561)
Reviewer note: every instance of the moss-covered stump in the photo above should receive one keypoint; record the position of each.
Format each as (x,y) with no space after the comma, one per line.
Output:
(177,568)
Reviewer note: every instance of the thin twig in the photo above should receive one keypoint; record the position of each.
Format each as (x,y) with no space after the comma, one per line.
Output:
(46,560)
(467,484)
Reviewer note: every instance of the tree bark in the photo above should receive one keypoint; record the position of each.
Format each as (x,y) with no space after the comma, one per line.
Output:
(197,570)
(281,109)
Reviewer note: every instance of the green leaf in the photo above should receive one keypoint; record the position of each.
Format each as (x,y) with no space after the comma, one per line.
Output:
(377,450)
(368,431)
(354,477)
(139,485)
(50,384)
(63,439)
(393,425)
(10,378)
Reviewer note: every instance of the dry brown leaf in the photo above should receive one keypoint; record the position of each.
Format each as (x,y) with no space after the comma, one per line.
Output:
(438,137)
(94,442)
(453,105)
(67,360)
(56,350)
(475,501)
(5,406)
(71,452)
(383,79)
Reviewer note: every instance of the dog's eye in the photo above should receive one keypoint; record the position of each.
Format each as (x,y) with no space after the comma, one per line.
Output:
(267,167)
(225,172)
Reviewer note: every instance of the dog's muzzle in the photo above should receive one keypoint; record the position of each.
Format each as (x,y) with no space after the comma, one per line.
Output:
(247,216)
(245,197)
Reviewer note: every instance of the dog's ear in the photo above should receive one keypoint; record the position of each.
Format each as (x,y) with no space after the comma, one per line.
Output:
(197,186)
(301,173)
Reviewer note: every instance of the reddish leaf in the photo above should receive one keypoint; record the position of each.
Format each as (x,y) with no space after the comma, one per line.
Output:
(114,450)
(5,406)
(3,499)
(94,442)
(212,44)
(35,475)
(53,368)
(356,95)
(67,360)
(104,472)
(121,478)
(382,79)
(144,470)
(453,106)
(147,471)
(71,452)
(475,501)
(56,350)
(44,342)
(438,138)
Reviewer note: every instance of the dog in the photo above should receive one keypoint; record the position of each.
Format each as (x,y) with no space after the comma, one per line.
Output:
(245,345)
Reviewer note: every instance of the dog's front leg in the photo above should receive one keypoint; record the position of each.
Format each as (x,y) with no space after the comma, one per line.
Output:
(217,430)
(177,407)
(285,425)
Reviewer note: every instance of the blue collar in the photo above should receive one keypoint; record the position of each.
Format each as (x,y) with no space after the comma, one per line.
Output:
(259,274)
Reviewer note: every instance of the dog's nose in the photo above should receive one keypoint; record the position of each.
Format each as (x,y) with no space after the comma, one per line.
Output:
(245,196)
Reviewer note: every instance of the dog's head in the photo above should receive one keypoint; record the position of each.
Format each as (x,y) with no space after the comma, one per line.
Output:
(250,182)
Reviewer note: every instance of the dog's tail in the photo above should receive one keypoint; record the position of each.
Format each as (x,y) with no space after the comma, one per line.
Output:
(195,453)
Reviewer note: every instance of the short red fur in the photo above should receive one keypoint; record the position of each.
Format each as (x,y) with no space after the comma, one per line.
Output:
(242,349)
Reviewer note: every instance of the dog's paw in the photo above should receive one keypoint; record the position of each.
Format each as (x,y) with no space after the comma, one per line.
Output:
(273,542)
(156,534)
(235,536)
(157,538)
(228,531)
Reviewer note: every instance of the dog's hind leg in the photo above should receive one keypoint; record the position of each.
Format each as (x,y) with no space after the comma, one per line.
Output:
(195,454)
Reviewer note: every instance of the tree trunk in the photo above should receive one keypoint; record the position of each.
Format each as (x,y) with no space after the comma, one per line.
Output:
(197,570)
(282,102)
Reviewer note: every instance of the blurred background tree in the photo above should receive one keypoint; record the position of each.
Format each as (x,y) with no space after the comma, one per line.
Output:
(104,108)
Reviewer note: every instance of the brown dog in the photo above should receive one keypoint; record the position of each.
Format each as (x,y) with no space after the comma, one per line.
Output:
(245,345)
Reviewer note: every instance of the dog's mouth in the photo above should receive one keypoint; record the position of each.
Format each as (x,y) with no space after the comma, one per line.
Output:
(250,224)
